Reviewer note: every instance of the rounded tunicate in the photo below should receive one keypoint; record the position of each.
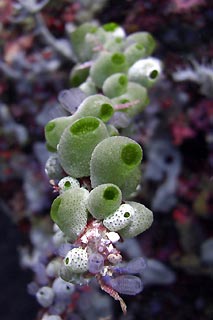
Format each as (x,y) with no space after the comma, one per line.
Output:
(95,263)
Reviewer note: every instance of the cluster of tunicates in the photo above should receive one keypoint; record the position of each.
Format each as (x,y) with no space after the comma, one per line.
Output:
(98,170)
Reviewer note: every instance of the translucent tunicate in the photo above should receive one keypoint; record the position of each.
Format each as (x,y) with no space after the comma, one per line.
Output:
(64,248)
(45,296)
(71,99)
(53,168)
(135,266)
(62,289)
(126,284)
(95,262)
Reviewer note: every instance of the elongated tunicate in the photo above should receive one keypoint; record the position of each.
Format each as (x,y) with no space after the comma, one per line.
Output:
(136,96)
(143,38)
(54,129)
(136,265)
(88,87)
(126,284)
(78,75)
(143,218)
(115,85)
(103,200)
(114,160)
(145,71)
(135,52)
(69,212)
(81,48)
(106,65)
(80,139)
(96,105)
(95,262)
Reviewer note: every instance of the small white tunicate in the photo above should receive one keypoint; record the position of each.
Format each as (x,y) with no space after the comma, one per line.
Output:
(120,218)
(77,260)
(45,296)
(58,238)
(53,267)
(68,183)
(95,263)
(145,71)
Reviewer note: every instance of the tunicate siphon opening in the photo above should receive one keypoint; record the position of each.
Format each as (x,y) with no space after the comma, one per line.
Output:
(126,215)
(111,193)
(139,46)
(67,184)
(76,81)
(131,154)
(84,126)
(123,101)
(111,26)
(123,80)
(50,126)
(118,58)
(118,40)
(106,111)
(153,75)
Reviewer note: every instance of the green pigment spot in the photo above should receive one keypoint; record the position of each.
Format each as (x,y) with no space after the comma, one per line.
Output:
(123,80)
(106,111)
(67,184)
(118,58)
(109,27)
(139,46)
(110,193)
(131,154)
(50,126)
(118,40)
(153,75)
(76,81)
(126,215)
(93,29)
(123,101)
(84,126)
